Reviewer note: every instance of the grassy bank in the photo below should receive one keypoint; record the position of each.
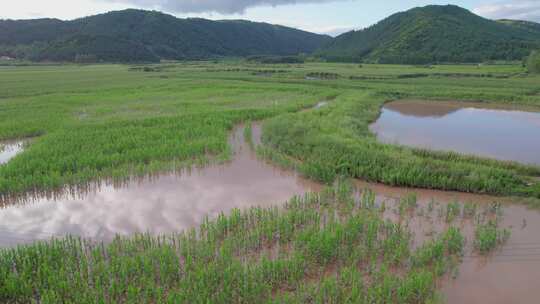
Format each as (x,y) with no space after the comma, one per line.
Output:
(331,247)
(335,141)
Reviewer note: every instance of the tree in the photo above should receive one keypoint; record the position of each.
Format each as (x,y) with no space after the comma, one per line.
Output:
(533,62)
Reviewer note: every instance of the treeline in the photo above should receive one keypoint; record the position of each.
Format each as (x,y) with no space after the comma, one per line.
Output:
(275,59)
(533,62)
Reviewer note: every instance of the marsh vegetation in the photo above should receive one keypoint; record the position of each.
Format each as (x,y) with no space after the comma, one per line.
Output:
(331,247)
(113,123)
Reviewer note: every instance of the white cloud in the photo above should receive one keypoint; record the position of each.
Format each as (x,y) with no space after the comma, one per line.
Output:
(335,31)
(205,6)
(314,27)
(62,9)
(517,9)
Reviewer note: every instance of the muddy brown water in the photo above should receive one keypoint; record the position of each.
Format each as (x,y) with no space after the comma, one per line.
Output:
(9,149)
(510,275)
(173,202)
(164,204)
(500,132)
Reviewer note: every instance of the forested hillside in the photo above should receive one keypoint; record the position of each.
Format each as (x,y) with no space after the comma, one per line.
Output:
(436,34)
(137,35)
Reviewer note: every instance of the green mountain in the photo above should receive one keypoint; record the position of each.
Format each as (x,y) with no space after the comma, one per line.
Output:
(137,35)
(435,34)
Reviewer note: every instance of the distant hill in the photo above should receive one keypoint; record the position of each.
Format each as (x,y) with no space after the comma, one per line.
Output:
(137,35)
(435,34)
(531,27)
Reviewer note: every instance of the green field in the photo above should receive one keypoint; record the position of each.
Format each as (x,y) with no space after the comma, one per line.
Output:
(115,121)
(92,122)
(98,121)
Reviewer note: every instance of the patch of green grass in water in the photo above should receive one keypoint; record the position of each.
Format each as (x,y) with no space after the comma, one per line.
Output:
(329,247)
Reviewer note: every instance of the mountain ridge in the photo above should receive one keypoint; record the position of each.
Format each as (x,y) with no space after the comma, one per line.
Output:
(430,34)
(434,34)
(112,36)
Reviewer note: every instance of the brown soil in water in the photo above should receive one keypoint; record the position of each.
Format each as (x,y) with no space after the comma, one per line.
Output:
(509,275)
(423,108)
(498,131)
(173,202)
(9,149)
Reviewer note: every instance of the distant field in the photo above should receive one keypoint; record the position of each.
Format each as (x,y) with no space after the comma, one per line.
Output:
(117,120)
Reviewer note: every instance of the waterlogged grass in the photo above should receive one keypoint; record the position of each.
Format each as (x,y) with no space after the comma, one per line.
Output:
(335,141)
(331,247)
(489,237)
(112,120)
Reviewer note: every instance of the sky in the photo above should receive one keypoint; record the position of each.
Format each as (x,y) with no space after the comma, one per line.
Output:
(321,16)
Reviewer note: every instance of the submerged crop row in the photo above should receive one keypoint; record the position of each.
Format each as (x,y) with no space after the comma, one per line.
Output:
(331,247)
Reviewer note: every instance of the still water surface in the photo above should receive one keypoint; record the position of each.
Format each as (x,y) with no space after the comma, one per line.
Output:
(504,133)
(9,149)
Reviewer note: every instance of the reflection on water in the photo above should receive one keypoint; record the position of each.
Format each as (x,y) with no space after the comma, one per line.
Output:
(166,203)
(9,149)
(321,104)
(470,128)
(423,109)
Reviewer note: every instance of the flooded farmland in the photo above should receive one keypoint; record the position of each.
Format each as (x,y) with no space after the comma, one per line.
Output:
(509,275)
(164,204)
(173,202)
(499,132)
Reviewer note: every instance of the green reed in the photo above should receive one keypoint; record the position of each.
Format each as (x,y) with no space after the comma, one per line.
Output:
(330,247)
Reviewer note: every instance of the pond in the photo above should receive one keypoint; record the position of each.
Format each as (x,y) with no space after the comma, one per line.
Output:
(504,133)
